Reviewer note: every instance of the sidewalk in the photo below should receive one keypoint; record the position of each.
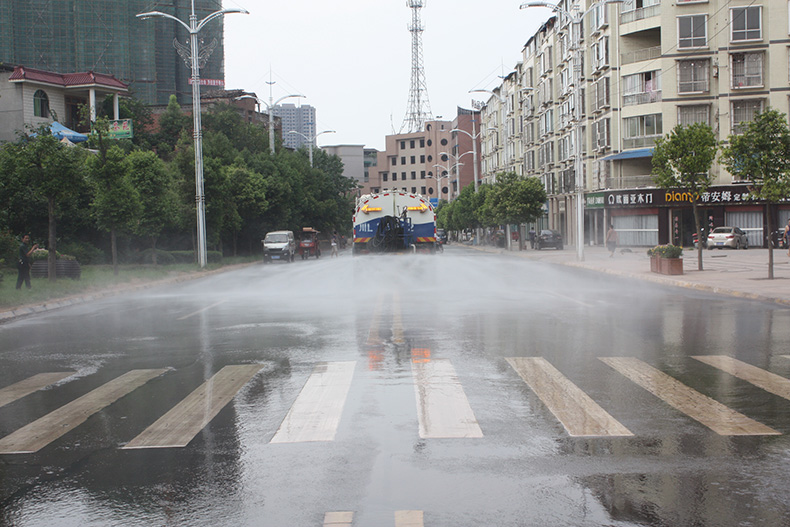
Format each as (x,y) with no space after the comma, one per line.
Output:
(742,274)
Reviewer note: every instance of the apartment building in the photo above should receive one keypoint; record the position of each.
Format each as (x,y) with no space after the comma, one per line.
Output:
(641,68)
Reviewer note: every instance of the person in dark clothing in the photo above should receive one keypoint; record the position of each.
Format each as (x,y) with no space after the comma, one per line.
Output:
(23,264)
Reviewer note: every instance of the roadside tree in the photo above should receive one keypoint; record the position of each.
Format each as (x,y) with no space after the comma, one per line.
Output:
(682,160)
(761,155)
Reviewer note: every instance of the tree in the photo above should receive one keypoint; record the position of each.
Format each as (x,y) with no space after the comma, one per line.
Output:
(51,171)
(682,159)
(515,199)
(116,203)
(148,175)
(761,155)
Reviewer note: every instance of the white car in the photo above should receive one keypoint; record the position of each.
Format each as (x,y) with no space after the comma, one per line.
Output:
(731,237)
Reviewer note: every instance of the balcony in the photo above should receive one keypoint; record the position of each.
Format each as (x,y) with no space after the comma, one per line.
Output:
(640,14)
(640,55)
(642,98)
(640,142)
(626,182)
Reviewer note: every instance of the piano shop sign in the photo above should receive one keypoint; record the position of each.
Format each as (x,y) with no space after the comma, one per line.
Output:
(658,197)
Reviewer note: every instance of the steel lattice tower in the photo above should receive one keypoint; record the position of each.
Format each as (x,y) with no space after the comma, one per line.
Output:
(419,109)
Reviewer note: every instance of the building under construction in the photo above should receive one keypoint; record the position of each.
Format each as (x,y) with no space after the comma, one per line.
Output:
(105,37)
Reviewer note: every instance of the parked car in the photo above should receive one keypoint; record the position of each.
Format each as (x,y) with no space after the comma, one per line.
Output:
(279,245)
(547,238)
(441,236)
(731,237)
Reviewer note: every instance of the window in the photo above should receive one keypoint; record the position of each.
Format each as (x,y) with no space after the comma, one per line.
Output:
(403,145)
(693,76)
(444,142)
(422,190)
(414,190)
(746,23)
(743,112)
(641,88)
(422,158)
(692,31)
(600,131)
(413,159)
(411,143)
(601,93)
(41,104)
(403,176)
(600,52)
(394,161)
(422,143)
(394,176)
(422,174)
(414,175)
(403,160)
(642,131)
(384,176)
(747,70)
(697,113)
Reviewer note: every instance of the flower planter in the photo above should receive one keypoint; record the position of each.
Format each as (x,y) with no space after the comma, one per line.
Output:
(63,269)
(671,266)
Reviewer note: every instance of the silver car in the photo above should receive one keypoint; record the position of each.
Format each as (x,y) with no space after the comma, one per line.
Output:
(731,237)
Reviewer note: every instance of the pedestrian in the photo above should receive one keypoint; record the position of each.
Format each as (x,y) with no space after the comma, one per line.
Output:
(532,237)
(786,237)
(23,262)
(611,240)
(334,245)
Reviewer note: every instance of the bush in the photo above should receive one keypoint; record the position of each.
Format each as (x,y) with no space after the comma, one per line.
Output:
(666,251)
(162,257)
(9,247)
(183,257)
(85,253)
(214,256)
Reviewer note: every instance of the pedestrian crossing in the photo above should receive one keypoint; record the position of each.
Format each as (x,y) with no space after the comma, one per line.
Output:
(443,410)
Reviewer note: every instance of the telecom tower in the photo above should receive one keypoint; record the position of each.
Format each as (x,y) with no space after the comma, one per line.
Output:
(419,109)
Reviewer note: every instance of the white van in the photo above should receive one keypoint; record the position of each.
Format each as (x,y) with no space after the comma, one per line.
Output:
(279,245)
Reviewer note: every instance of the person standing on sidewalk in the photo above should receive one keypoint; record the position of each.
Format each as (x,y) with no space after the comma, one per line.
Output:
(611,240)
(23,263)
(786,237)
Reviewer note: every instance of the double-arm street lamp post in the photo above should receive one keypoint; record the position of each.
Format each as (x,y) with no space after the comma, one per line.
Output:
(456,166)
(438,179)
(473,137)
(196,62)
(311,140)
(270,110)
(576,19)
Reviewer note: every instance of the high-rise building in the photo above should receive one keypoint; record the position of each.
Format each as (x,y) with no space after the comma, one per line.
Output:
(105,37)
(298,119)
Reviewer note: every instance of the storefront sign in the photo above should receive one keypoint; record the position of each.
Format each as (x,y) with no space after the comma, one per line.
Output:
(596,200)
(729,195)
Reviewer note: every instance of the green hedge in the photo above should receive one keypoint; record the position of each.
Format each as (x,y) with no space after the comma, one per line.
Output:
(175,257)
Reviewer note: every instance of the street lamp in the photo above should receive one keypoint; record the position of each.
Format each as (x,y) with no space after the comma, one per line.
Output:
(270,110)
(501,123)
(457,160)
(196,61)
(311,141)
(474,138)
(438,179)
(576,19)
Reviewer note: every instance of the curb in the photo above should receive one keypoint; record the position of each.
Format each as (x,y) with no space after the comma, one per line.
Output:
(59,303)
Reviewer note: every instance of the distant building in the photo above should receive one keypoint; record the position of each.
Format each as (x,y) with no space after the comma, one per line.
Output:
(106,38)
(353,157)
(299,119)
(32,97)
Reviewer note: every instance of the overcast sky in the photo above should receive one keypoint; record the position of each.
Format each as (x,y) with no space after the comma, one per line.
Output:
(352,58)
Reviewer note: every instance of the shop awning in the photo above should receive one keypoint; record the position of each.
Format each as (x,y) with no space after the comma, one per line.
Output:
(630,154)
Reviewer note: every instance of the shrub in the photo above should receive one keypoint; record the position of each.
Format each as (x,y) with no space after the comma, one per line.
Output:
(162,257)
(9,246)
(183,257)
(214,256)
(84,252)
(666,251)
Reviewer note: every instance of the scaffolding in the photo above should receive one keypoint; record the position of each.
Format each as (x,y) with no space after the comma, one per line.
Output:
(65,36)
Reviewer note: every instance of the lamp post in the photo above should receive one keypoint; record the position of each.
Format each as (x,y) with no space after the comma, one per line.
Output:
(474,138)
(576,19)
(438,178)
(457,160)
(311,141)
(501,122)
(270,110)
(196,61)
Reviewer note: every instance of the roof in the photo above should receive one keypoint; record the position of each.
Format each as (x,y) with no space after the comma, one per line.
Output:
(630,154)
(67,80)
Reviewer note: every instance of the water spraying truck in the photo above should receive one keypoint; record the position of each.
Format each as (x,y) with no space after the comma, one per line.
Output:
(393,222)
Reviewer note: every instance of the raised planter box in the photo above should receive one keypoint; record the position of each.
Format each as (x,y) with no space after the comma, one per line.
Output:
(669,266)
(63,269)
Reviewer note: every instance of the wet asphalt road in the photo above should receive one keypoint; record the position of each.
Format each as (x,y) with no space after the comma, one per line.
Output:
(389,318)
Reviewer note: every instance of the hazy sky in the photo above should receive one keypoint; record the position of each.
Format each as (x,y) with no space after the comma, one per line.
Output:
(352,58)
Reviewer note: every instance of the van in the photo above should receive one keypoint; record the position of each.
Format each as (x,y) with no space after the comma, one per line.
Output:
(279,245)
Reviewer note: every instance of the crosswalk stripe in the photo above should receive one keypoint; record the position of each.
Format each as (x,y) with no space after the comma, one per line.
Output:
(315,415)
(41,432)
(770,382)
(185,420)
(338,519)
(408,519)
(9,394)
(711,413)
(443,410)
(578,413)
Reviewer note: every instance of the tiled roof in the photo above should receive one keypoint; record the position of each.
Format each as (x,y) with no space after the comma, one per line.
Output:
(88,78)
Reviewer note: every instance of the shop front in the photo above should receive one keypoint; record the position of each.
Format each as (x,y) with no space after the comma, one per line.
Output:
(649,217)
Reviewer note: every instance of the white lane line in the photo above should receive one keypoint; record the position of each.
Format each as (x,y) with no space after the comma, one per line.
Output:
(770,382)
(397,320)
(184,421)
(43,431)
(443,410)
(570,299)
(25,387)
(578,413)
(711,413)
(202,310)
(315,415)
(408,519)
(338,519)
